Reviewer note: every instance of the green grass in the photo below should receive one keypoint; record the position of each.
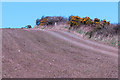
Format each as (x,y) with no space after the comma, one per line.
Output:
(118,44)
(111,42)
(80,31)
(67,27)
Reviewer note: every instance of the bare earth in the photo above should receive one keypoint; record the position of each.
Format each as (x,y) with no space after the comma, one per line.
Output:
(38,53)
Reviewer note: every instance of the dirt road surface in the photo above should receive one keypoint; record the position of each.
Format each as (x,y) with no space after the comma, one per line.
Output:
(38,53)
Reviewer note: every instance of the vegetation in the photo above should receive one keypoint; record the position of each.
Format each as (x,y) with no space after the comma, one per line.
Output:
(28,26)
(101,28)
(73,21)
(45,21)
(76,21)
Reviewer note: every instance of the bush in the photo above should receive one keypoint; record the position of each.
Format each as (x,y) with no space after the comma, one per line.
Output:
(38,22)
(96,20)
(104,21)
(43,21)
(29,26)
(108,23)
(74,21)
(50,20)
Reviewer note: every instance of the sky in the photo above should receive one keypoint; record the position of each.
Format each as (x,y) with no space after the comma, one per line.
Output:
(20,14)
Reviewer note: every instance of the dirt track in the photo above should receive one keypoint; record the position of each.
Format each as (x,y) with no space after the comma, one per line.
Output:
(48,54)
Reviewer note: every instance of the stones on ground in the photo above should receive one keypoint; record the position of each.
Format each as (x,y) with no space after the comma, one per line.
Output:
(98,58)
(50,63)
(18,50)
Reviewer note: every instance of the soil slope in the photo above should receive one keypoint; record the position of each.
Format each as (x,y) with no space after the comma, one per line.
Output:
(38,53)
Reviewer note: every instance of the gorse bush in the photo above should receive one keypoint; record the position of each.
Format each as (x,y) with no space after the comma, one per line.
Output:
(96,20)
(76,21)
(86,20)
(43,21)
(105,22)
(108,23)
(50,20)
(73,21)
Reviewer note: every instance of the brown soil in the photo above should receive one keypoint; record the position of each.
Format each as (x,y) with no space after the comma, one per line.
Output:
(36,53)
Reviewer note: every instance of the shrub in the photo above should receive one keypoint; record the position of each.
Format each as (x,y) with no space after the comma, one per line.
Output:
(43,21)
(29,26)
(104,21)
(96,20)
(38,22)
(108,23)
(74,21)
(50,20)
